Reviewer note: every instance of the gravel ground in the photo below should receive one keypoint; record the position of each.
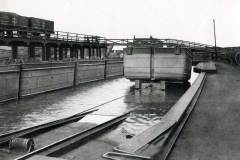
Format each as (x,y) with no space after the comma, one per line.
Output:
(213,130)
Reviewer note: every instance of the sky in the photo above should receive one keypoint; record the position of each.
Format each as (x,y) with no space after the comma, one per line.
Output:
(190,20)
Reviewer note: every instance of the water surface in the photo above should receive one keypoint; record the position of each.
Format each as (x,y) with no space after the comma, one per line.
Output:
(147,105)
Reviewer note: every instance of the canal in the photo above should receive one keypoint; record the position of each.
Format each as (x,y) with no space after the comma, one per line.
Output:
(58,104)
(112,97)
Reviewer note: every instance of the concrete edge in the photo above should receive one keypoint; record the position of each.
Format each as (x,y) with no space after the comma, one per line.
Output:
(173,116)
(176,131)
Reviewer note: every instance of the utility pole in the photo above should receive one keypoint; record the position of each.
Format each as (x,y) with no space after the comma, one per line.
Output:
(216,56)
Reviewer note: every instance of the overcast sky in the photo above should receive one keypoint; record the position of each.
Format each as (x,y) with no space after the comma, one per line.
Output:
(181,19)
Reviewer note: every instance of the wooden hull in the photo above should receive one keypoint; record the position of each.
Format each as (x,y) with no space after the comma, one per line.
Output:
(158,64)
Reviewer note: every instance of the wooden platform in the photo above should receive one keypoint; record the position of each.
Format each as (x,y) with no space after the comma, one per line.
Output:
(208,67)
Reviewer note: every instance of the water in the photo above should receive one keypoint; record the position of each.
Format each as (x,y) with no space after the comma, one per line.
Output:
(54,105)
(149,105)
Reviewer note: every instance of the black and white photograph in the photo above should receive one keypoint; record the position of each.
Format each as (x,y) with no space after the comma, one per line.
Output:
(119,79)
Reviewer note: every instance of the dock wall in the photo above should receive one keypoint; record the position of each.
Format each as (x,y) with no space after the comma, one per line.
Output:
(42,78)
(114,68)
(89,72)
(9,82)
(22,80)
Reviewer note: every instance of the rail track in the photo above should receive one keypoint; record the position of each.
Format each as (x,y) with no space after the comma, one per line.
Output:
(12,142)
(24,132)
(68,142)
(19,142)
(23,135)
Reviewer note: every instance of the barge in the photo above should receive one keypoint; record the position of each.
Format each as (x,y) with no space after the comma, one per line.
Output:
(148,60)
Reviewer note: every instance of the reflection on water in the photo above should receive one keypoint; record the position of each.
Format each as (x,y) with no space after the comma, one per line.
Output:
(54,105)
(147,105)
(152,104)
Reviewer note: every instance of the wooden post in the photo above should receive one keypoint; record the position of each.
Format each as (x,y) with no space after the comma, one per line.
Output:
(31,51)
(71,52)
(105,69)
(138,84)
(20,81)
(66,50)
(75,74)
(14,52)
(93,52)
(82,52)
(163,85)
(55,53)
(105,52)
(100,52)
(44,52)
(48,53)
(152,77)
(60,53)
(76,52)
(89,52)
